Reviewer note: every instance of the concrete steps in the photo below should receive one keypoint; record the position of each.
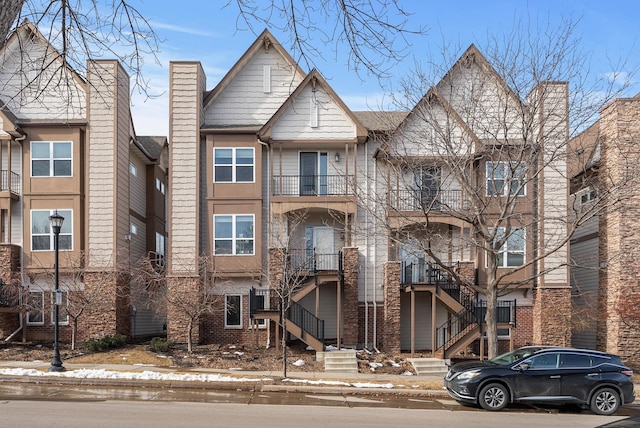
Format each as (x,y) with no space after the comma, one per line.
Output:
(343,361)
(429,366)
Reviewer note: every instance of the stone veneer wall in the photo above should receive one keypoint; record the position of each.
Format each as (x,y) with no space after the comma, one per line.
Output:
(9,273)
(619,236)
(350,303)
(391,334)
(109,313)
(552,316)
(177,321)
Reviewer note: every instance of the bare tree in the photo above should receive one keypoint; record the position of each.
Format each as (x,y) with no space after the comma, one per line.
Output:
(190,306)
(80,32)
(376,33)
(487,145)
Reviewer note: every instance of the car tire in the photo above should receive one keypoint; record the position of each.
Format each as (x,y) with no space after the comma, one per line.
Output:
(605,401)
(493,396)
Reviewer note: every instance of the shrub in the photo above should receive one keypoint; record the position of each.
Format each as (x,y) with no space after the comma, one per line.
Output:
(107,342)
(160,344)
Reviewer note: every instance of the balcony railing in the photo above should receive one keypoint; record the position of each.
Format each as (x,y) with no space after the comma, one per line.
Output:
(10,177)
(309,260)
(505,312)
(312,185)
(426,200)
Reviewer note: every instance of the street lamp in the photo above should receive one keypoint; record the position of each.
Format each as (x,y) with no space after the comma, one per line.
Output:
(56,224)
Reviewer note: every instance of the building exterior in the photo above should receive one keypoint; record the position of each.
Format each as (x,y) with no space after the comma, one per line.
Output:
(70,147)
(605,248)
(357,221)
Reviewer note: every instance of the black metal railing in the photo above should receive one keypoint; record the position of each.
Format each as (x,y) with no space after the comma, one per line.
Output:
(461,323)
(312,185)
(505,311)
(261,300)
(308,260)
(307,322)
(9,180)
(426,200)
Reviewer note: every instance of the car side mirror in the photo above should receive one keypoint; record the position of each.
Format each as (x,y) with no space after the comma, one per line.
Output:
(524,366)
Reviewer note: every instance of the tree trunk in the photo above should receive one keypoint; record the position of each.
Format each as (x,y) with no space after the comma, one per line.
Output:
(8,14)
(189,340)
(74,333)
(492,321)
(284,343)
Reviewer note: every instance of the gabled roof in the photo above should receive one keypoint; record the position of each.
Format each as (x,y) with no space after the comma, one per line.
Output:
(473,55)
(264,41)
(314,79)
(430,97)
(32,32)
(381,121)
(9,121)
(151,146)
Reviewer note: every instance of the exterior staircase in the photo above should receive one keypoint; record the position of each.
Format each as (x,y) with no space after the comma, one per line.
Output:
(429,366)
(343,361)
(468,312)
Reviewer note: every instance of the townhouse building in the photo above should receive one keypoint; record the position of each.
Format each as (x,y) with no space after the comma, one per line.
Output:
(363,220)
(68,146)
(604,269)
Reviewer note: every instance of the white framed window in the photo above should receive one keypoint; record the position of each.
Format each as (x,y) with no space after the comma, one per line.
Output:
(63,315)
(587,196)
(35,314)
(505,179)
(42,237)
(233,234)
(233,311)
(51,159)
(133,169)
(233,165)
(512,252)
(160,243)
(133,229)
(157,183)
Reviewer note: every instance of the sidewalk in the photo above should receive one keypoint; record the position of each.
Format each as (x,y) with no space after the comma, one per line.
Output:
(121,375)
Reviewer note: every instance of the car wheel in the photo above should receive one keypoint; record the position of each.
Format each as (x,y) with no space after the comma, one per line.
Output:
(494,397)
(605,401)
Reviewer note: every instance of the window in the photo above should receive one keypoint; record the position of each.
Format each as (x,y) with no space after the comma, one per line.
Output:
(588,196)
(35,314)
(63,316)
(42,237)
(133,229)
(505,179)
(544,361)
(233,311)
(512,252)
(160,242)
(51,158)
(233,234)
(575,361)
(233,165)
(133,169)
(160,186)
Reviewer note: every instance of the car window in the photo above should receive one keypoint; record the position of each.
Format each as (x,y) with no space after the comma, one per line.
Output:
(544,361)
(575,361)
(513,356)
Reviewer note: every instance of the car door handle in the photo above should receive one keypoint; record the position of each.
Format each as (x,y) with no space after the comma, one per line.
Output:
(555,377)
(592,374)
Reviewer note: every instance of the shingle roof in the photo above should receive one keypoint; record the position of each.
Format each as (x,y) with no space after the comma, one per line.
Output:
(380,120)
(151,145)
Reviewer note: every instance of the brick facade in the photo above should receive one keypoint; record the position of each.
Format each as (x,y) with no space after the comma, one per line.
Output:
(188,288)
(109,313)
(391,332)
(619,238)
(350,304)
(552,316)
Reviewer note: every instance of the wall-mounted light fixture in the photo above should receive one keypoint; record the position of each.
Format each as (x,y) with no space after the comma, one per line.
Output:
(337,157)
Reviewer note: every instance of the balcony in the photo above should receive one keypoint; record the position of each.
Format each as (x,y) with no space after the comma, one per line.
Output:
(313,185)
(10,182)
(427,200)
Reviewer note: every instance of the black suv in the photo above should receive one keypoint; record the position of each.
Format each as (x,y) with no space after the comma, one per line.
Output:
(544,374)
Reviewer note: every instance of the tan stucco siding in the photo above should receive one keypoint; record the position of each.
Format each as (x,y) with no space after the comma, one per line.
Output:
(244,101)
(333,123)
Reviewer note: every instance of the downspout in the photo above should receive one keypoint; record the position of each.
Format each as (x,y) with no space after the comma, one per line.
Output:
(375,273)
(366,243)
(267,224)
(15,332)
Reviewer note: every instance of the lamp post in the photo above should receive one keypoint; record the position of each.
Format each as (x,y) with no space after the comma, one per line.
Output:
(56,224)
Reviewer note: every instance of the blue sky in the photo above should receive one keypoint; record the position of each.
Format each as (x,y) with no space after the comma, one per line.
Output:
(202,30)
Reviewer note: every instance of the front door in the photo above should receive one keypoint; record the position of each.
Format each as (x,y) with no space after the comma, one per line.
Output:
(320,245)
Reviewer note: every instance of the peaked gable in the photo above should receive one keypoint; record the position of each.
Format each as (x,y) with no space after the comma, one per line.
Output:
(254,88)
(35,82)
(481,97)
(314,112)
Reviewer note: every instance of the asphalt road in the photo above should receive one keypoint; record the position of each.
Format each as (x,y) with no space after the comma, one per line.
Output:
(35,405)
